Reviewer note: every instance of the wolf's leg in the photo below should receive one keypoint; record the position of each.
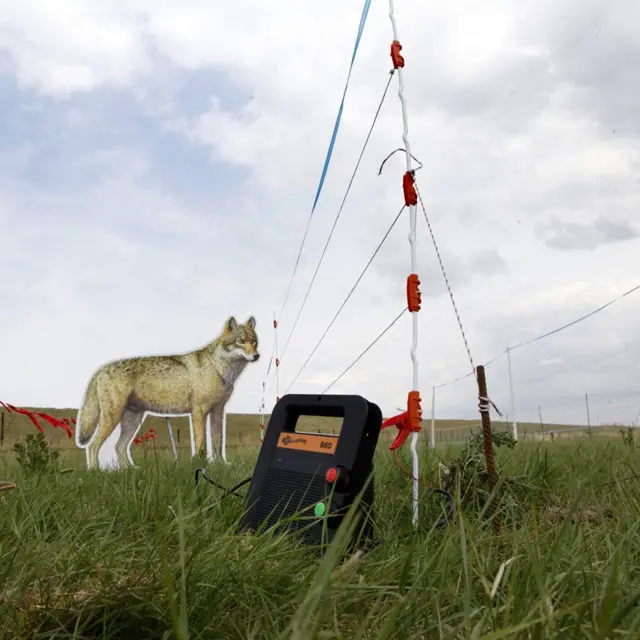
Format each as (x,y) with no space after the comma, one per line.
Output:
(130,425)
(108,422)
(208,441)
(216,429)
(199,420)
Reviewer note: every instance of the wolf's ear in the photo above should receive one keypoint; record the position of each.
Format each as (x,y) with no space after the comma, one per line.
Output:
(251,323)
(230,325)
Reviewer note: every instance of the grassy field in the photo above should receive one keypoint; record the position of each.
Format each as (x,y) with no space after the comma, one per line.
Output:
(130,554)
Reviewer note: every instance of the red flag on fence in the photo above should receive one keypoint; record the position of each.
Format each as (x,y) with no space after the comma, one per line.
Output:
(149,434)
(61,423)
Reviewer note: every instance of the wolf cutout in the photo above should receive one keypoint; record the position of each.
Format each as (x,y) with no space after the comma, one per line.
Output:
(198,383)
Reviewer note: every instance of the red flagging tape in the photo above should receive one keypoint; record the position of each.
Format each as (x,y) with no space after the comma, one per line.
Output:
(61,423)
(149,434)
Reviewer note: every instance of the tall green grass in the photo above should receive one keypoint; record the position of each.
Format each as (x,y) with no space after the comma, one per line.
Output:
(131,555)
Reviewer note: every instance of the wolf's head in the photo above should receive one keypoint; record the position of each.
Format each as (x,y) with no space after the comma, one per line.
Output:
(241,340)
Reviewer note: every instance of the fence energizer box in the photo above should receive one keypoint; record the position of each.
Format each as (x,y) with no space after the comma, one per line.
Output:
(315,477)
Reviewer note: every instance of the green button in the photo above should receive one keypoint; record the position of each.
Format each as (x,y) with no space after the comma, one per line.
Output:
(319,509)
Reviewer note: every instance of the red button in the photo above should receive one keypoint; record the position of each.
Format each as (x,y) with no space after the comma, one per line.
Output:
(331,475)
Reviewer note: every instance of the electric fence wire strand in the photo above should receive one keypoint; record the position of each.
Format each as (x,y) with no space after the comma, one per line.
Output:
(325,168)
(335,317)
(273,351)
(334,135)
(554,374)
(550,333)
(382,333)
(580,319)
(266,377)
(446,280)
(335,222)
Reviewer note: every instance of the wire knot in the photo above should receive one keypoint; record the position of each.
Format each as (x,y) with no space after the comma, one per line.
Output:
(485,404)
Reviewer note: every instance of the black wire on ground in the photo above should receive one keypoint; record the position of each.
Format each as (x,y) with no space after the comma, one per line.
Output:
(450,503)
(335,222)
(335,317)
(202,473)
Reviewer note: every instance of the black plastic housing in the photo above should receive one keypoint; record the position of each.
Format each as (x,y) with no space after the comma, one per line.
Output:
(290,475)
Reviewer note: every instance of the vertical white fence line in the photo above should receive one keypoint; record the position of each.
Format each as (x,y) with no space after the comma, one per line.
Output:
(173,442)
(433,417)
(514,423)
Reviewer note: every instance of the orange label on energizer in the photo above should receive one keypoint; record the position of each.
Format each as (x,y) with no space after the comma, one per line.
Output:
(308,442)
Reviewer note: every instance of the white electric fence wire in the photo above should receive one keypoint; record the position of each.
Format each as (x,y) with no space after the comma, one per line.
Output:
(264,391)
(344,302)
(275,338)
(371,345)
(264,384)
(414,266)
(339,213)
(548,333)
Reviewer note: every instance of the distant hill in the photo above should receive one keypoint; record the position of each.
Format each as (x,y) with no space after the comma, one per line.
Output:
(242,429)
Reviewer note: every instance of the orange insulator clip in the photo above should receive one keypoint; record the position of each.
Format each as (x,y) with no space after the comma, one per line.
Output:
(396,58)
(406,422)
(410,195)
(277,362)
(414,297)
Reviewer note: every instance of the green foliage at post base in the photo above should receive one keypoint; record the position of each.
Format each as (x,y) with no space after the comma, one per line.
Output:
(467,477)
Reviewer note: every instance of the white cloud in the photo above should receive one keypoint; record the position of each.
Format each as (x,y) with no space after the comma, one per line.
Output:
(77,46)
(509,124)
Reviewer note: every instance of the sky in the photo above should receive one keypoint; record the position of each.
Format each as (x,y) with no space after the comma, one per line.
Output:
(159,160)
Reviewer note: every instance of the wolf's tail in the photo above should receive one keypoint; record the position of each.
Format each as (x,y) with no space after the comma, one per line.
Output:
(88,415)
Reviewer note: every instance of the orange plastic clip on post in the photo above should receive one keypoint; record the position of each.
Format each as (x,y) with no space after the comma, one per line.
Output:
(406,422)
(410,195)
(414,297)
(396,57)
